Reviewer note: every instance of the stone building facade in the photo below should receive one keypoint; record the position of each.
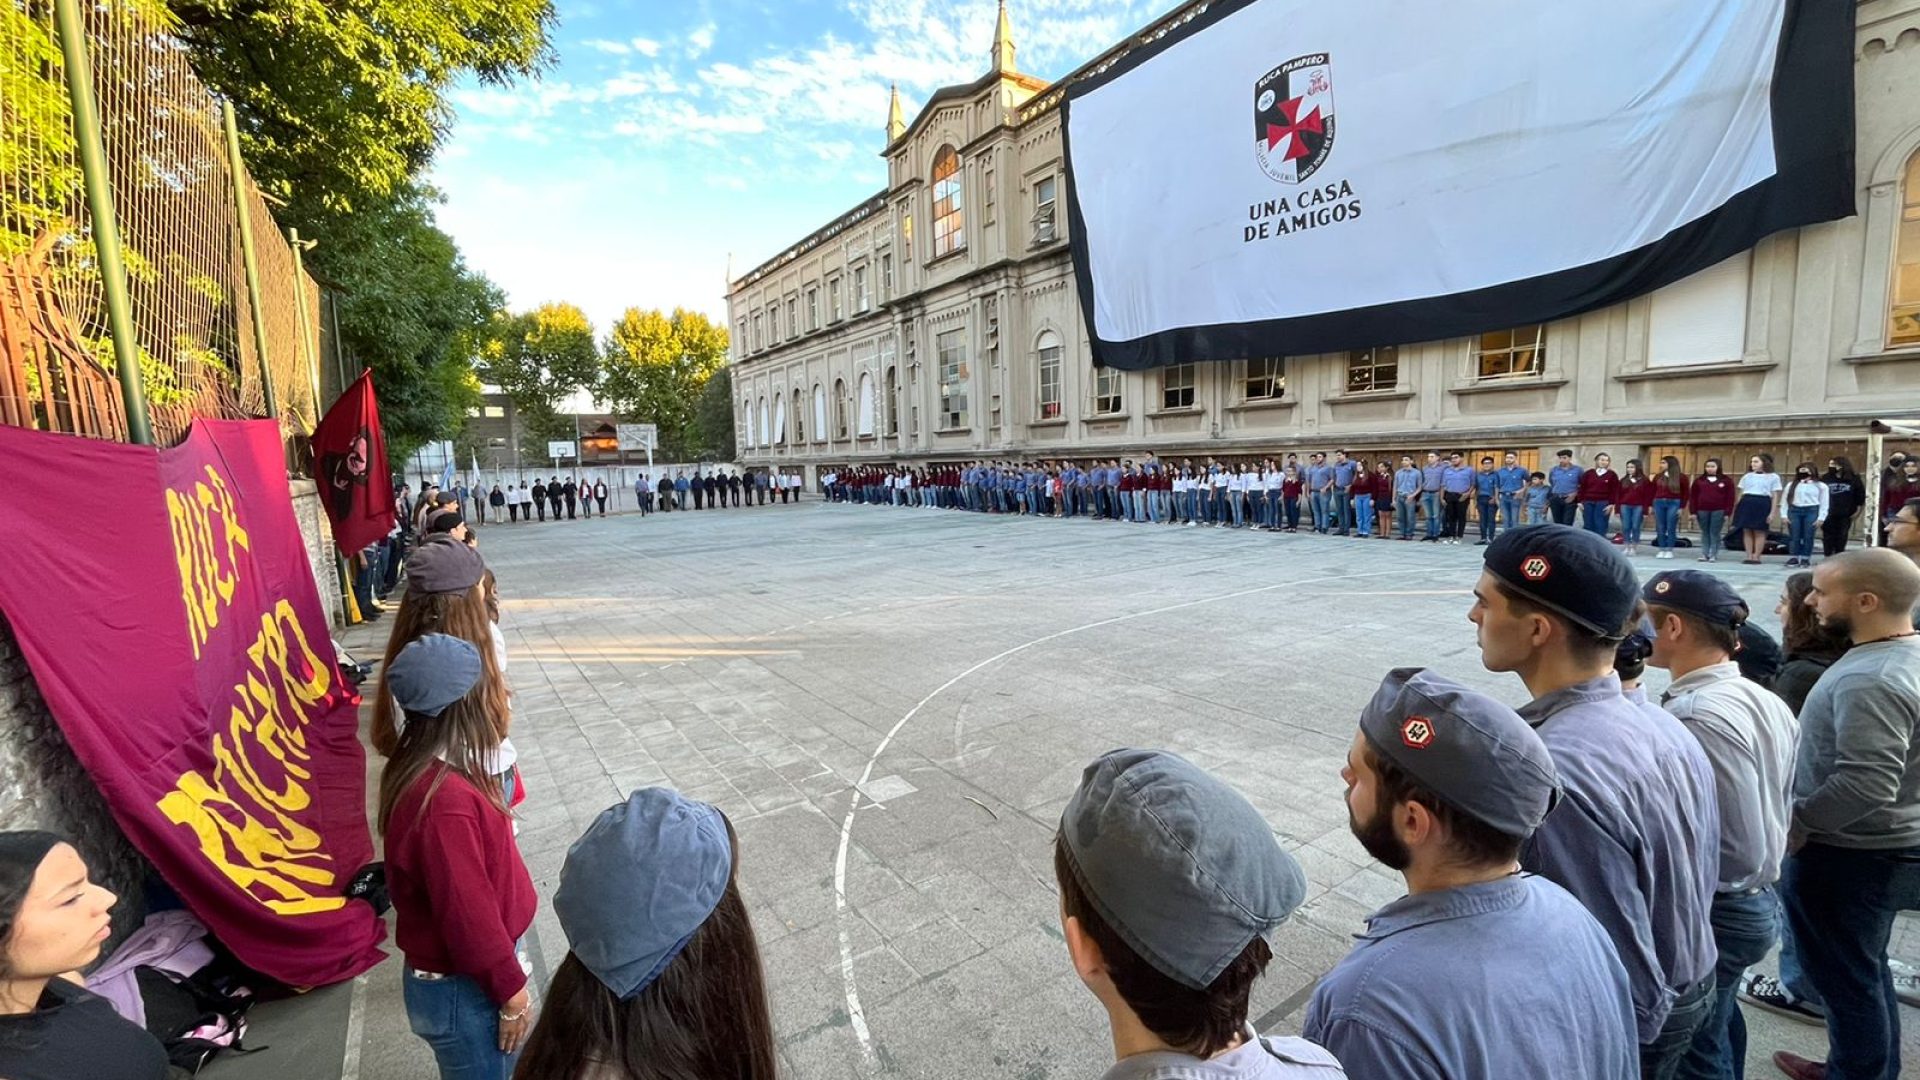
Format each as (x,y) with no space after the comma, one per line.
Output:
(937,321)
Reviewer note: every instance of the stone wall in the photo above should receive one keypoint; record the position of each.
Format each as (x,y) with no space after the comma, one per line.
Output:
(42,786)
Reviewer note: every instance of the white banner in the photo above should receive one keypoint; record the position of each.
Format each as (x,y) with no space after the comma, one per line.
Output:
(1291,159)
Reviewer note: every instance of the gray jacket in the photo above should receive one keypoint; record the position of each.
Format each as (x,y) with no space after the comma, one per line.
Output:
(1857,781)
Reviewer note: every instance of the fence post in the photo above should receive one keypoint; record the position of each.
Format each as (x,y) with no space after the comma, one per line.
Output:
(237,172)
(307,347)
(106,227)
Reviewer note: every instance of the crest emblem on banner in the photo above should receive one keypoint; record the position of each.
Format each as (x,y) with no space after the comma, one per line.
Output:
(1293,118)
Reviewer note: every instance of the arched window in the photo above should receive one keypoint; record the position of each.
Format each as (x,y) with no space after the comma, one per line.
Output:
(745,423)
(893,401)
(949,204)
(839,408)
(799,419)
(779,418)
(1046,354)
(819,413)
(863,407)
(1903,321)
(766,433)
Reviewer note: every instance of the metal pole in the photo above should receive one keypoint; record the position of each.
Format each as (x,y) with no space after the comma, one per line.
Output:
(236,171)
(106,227)
(294,244)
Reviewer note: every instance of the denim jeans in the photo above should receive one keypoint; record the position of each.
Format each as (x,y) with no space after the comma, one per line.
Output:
(1363,515)
(1509,510)
(1317,502)
(1536,515)
(1840,905)
(1293,512)
(1430,502)
(1666,523)
(1630,519)
(1342,503)
(1661,1058)
(1594,517)
(1562,508)
(1800,520)
(1489,507)
(1403,508)
(459,1023)
(1713,530)
(1743,930)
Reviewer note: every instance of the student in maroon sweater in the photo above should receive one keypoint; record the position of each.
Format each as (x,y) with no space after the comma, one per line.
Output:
(461,894)
(1636,498)
(1709,500)
(1599,490)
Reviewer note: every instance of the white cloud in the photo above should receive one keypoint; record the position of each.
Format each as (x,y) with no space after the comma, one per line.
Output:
(700,41)
(646,46)
(615,48)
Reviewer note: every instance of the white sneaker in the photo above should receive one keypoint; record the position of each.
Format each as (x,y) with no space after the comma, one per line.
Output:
(1906,982)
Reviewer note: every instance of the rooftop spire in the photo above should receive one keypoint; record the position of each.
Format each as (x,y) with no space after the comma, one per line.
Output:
(1003,43)
(896,120)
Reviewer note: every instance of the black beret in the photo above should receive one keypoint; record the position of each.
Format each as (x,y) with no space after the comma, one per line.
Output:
(1697,592)
(1574,573)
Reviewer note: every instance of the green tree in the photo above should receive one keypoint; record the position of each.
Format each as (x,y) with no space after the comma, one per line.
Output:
(346,100)
(655,367)
(410,309)
(710,435)
(537,358)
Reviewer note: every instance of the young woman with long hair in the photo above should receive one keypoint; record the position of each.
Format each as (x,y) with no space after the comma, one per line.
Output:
(1846,494)
(1810,647)
(1805,502)
(1636,498)
(1598,492)
(461,895)
(1670,489)
(53,921)
(445,595)
(1710,498)
(663,978)
(1759,504)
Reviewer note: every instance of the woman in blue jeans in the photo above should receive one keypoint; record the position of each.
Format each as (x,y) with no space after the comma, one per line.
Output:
(461,895)
(1806,502)
(1669,498)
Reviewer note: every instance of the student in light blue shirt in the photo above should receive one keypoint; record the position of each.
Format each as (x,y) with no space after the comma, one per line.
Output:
(1406,496)
(1342,494)
(1563,484)
(1512,481)
(1431,476)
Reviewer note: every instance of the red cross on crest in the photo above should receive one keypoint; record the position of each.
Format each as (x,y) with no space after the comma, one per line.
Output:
(1417,732)
(1293,127)
(1536,568)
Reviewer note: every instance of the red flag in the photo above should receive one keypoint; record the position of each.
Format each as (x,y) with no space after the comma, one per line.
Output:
(350,465)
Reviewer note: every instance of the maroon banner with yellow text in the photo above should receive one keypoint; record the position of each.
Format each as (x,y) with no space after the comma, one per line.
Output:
(166,605)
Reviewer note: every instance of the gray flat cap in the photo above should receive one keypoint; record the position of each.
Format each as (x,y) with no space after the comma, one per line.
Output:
(1180,865)
(637,885)
(432,672)
(1465,747)
(442,564)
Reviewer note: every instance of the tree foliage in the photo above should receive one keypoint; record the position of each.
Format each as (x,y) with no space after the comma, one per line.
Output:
(710,436)
(655,366)
(537,358)
(345,100)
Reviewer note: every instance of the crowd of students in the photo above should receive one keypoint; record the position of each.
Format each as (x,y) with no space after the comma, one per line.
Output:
(1587,877)
(1434,499)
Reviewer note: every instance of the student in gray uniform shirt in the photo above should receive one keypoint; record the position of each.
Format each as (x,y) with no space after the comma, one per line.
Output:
(1749,736)
(1170,882)
(1637,837)
(1853,849)
(1481,972)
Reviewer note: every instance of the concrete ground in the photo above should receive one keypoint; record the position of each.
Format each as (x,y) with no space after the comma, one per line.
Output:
(893,705)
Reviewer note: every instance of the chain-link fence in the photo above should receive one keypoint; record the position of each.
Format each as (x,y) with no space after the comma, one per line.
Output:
(172,186)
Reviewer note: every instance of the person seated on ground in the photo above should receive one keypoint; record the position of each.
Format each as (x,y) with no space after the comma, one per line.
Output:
(663,975)
(53,921)
(1444,785)
(462,897)
(1170,882)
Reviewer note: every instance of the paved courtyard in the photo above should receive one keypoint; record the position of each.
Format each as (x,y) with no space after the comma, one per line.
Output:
(894,705)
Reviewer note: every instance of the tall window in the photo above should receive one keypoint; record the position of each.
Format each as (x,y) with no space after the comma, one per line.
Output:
(986,198)
(1044,231)
(1512,354)
(813,308)
(742,340)
(862,300)
(773,322)
(840,408)
(951,349)
(799,419)
(1377,368)
(1903,321)
(886,276)
(949,204)
(833,299)
(793,316)
(893,402)
(1264,379)
(1176,387)
(1047,363)
(863,407)
(819,413)
(1106,391)
(756,330)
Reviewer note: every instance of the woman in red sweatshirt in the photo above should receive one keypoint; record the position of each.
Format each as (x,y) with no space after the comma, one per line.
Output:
(1599,490)
(1636,498)
(461,895)
(1709,500)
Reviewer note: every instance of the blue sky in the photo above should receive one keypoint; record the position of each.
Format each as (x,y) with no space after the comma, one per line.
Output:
(672,135)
